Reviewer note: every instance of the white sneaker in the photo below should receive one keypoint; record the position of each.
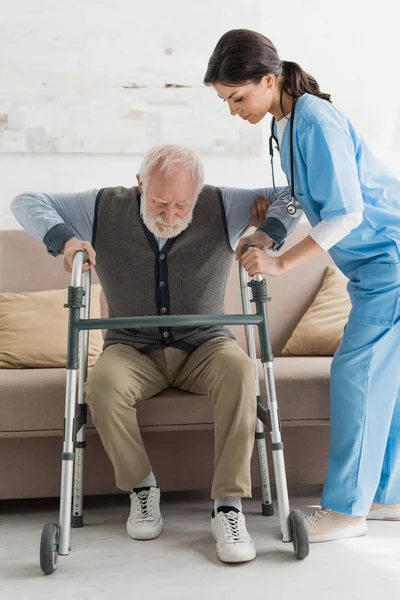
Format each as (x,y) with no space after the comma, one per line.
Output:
(145,520)
(234,544)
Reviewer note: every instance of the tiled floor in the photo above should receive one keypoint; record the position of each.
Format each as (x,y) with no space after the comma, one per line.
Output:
(106,564)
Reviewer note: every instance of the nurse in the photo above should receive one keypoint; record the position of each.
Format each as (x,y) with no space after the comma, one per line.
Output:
(353,205)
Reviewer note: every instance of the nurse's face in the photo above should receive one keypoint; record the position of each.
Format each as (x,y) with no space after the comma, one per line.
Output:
(250,101)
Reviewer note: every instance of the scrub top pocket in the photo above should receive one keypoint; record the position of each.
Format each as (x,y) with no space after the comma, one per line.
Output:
(374,291)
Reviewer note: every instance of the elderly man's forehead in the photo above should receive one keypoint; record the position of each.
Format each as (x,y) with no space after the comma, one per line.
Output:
(175,184)
(172,173)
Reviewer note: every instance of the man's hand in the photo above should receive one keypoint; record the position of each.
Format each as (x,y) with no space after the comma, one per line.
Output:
(69,250)
(256,261)
(258,210)
(258,239)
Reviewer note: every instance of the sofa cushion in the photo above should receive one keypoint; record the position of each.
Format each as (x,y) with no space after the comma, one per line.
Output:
(320,330)
(34,399)
(34,329)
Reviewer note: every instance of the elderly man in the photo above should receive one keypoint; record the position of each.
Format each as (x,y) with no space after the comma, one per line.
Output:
(165,247)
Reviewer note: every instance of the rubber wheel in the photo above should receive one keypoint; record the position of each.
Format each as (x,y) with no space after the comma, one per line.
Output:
(299,532)
(49,548)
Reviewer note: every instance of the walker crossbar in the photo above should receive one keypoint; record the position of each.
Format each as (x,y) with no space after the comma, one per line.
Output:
(167,321)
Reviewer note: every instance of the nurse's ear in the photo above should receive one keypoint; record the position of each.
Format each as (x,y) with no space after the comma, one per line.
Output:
(268,81)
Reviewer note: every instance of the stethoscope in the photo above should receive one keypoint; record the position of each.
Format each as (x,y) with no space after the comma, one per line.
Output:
(293,207)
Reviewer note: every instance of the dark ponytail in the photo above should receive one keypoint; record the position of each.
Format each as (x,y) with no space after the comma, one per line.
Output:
(297,82)
(242,55)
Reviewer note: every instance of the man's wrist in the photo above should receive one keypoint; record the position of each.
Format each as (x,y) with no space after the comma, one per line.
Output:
(264,239)
(275,230)
(56,238)
(66,244)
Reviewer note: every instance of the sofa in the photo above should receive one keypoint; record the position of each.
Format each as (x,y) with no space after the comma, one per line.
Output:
(177,426)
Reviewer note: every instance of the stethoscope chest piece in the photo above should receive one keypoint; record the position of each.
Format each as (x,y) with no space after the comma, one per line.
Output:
(293,208)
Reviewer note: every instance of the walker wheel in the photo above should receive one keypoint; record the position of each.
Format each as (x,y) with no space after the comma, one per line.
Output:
(49,548)
(299,532)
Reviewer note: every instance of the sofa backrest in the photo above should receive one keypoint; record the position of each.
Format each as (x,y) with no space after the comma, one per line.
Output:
(25,266)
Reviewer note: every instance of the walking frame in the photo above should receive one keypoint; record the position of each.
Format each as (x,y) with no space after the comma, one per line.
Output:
(55,540)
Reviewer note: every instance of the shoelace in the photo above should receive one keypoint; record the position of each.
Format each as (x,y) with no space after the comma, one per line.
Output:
(144,504)
(233,526)
(318,514)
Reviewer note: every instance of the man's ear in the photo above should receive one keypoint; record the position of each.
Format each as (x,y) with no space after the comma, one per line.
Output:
(140,184)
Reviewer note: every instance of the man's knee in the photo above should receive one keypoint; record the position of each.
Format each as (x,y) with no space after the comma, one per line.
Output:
(236,375)
(236,366)
(105,390)
(234,391)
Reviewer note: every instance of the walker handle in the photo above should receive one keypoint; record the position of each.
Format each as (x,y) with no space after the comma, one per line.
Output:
(80,257)
(85,255)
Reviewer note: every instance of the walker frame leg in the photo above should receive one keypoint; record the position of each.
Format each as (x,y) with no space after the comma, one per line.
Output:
(292,524)
(81,417)
(75,303)
(55,540)
(267,507)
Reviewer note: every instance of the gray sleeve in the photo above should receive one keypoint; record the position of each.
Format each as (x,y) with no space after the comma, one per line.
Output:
(55,218)
(278,224)
(237,204)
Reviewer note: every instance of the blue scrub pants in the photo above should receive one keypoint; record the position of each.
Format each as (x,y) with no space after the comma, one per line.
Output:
(364,455)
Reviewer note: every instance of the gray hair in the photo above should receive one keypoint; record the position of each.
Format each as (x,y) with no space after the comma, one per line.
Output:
(169,156)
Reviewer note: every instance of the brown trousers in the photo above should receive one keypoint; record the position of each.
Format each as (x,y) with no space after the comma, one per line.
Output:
(219,368)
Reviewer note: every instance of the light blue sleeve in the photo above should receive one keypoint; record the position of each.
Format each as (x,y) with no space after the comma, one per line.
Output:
(65,214)
(329,155)
(278,224)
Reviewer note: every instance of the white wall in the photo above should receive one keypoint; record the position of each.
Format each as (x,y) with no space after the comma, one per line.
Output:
(350,47)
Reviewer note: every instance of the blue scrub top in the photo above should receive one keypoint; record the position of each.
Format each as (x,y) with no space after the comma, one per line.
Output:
(336,173)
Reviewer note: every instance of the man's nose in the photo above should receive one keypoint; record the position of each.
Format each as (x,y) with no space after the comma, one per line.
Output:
(169,214)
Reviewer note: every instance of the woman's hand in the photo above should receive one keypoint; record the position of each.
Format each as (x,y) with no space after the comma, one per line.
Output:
(256,261)
(258,239)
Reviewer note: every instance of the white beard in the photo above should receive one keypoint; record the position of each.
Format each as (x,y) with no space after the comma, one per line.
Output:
(157,226)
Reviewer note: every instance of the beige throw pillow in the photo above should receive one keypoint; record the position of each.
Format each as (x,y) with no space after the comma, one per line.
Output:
(320,331)
(34,327)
